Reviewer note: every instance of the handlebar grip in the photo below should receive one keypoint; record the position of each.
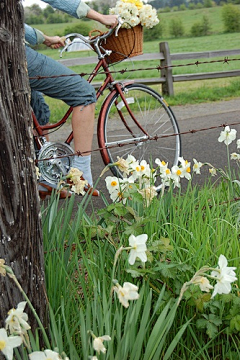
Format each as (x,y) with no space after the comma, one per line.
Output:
(62,38)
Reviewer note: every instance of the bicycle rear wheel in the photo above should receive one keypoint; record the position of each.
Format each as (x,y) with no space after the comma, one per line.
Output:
(156,134)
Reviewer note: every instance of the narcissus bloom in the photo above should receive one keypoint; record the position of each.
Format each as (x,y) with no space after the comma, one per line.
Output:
(16,322)
(197,166)
(45,355)
(235,156)
(139,248)
(2,267)
(122,165)
(203,283)
(224,276)
(227,135)
(98,343)
(213,171)
(126,292)
(8,343)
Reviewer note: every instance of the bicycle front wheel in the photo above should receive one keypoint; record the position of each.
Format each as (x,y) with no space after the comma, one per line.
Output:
(153,134)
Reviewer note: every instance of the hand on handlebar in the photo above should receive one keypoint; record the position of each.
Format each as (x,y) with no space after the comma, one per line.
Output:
(54,42)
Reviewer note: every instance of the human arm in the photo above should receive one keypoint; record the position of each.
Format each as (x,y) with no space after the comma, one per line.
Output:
(79,9)
(34,37)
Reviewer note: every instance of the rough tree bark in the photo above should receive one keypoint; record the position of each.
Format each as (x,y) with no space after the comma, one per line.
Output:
(20,223)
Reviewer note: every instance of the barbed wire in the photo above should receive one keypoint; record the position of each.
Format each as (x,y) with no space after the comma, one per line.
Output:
(225,60)
(133,142)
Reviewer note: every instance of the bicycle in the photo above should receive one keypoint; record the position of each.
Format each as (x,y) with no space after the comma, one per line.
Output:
(147,127)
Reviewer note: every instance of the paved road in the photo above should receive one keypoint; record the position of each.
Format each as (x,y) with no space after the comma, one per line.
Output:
(203,145)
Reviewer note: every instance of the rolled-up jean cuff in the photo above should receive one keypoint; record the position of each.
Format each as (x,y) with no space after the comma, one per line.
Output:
(73,89)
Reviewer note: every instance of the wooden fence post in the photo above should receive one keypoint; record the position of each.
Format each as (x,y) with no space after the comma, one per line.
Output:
(167,86)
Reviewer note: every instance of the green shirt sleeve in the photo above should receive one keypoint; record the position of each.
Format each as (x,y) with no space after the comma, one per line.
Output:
(82,10)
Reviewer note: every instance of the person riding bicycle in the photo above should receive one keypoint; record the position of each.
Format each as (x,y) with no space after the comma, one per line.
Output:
(73,90)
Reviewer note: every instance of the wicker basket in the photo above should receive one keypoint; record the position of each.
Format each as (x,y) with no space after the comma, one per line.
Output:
(128,43)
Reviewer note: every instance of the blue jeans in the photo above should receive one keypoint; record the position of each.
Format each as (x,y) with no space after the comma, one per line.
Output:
(73,90)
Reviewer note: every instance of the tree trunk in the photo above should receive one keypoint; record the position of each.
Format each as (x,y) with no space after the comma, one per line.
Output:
(20,222)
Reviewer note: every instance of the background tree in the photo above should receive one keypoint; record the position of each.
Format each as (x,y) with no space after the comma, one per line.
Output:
(20,225)
(231,18)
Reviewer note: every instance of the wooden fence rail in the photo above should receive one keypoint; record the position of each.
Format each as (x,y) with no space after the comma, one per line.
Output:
(165,57)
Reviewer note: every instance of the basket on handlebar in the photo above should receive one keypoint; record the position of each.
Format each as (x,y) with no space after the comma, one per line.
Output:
(128,43)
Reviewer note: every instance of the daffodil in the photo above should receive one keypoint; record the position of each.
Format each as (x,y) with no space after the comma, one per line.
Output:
(44,355)
(224,276)
(122,165)
(8,343)
(203,283)
(138,248)
(38,174)
(197,166)
(126,292)
(213,171)
(74,175)
(2,267)
(16,322)
(235,156)
(176,174)
(185,168)
(227,135)
(148,194)
(112,184)
(98,343)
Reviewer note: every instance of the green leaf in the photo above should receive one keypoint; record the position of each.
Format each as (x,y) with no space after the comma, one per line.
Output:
(201,323)
(212,330)
(161,245)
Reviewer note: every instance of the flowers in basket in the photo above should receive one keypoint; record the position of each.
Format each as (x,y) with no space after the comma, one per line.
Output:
(134,12)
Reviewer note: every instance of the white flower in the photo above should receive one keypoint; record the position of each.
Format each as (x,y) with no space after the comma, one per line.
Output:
(213,171)
(74,175)
(139,248)
(116,187)
(224,276)
(98,343)
(127,292)
(238,143)
(165,172)
(16,322)
(44,355)
(185,168)
(235,156)
(38,174)
(148,194)
(122,165)
(2,267)
(197,166)
(203,283)
(112,184)
(7,343)
(176,174)
(227,135)
(134,12)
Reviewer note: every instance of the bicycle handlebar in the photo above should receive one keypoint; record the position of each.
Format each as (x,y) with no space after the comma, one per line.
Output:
(94,40)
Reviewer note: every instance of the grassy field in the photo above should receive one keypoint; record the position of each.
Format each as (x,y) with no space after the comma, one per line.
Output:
(188,18)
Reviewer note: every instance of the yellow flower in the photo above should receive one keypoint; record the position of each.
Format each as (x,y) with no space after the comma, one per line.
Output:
(137,3)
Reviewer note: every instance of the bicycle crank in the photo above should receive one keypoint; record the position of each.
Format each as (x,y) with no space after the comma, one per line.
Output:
(58,161)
